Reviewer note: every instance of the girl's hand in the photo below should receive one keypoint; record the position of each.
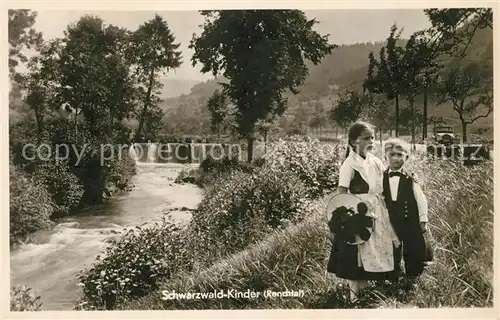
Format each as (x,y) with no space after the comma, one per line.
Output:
(423,227)
(415,178)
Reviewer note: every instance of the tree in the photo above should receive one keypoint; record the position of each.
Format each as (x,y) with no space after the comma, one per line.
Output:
(261,53)
(451,34)
(453,29)
(348,108)
(154,51)
(218,107)
(413,66)
(22,36)
(319,118)
(464,87)
(93,75)
(263,127)
(377,111)
(386,76)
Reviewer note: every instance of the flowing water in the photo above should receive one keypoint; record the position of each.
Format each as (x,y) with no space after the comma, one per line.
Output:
(50,264)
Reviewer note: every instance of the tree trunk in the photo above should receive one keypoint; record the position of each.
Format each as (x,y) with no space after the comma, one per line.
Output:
(265,142)
(336,132)
(464,130)
(397,115)
(76,123)
(39,124)
(380,136)
(412,104)
(250,140)
(146,104)
(424,123)
(111,122)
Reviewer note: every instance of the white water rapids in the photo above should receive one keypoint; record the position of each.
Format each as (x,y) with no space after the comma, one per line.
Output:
(50,264)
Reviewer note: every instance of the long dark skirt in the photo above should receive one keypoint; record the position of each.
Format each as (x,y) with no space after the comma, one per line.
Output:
(343,262)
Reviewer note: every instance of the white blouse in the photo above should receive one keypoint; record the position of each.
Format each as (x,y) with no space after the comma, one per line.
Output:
(376,254)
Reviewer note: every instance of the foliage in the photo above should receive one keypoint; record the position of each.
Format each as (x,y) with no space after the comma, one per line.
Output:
(131,267)
(153,51)
(63,185)
(23,299)
(22,35)
(243,207)
(453,29)
(218,107)
(315,163)
(469,92)
(259,49)
(377,112)
(213,170)
(348,108)
(30,206)
(387,75)
(460,230)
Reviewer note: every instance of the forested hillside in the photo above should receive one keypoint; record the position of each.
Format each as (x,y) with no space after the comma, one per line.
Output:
(344,69)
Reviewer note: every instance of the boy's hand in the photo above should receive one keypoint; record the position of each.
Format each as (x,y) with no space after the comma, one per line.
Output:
(423,226)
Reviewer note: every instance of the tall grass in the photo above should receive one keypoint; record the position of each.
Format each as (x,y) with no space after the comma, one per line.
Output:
(461,231)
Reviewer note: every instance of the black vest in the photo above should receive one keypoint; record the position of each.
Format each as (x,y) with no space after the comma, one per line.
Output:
(358,184)
(404,211)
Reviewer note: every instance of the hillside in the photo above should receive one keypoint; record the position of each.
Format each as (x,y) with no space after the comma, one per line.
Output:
(345,67)
(176,87)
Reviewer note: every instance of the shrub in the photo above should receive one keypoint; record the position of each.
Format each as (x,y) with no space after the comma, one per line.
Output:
(64,186)
(131,267)
(243,207)
(293,259)
(314,163)
(23,299)
(31,205)
(211,170)
(121,171)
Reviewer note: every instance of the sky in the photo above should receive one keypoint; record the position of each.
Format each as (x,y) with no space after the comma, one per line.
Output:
(344,27)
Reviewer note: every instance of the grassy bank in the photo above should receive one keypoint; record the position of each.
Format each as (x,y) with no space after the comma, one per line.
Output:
(461,231)
(240,239)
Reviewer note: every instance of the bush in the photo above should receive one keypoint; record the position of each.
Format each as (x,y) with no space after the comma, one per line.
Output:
(121,172)
(242,207)
(293,259)
(212,170)
(314,163)
(23,299)
(131,267)
(31,205)
(64,186)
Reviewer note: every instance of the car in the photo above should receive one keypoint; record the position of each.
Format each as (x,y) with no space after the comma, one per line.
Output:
(444,135)
(448,146)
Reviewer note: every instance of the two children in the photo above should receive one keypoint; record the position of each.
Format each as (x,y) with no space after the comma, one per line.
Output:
(400,210)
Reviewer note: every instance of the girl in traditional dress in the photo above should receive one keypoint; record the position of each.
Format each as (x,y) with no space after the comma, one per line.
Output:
(361,175)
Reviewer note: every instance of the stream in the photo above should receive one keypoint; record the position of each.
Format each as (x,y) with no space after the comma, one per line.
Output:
(51,263)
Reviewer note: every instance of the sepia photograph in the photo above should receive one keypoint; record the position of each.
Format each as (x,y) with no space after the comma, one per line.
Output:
(239,159)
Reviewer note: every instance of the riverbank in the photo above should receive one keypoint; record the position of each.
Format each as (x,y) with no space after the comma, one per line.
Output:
(295,257)
(262,230)
(51,262)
